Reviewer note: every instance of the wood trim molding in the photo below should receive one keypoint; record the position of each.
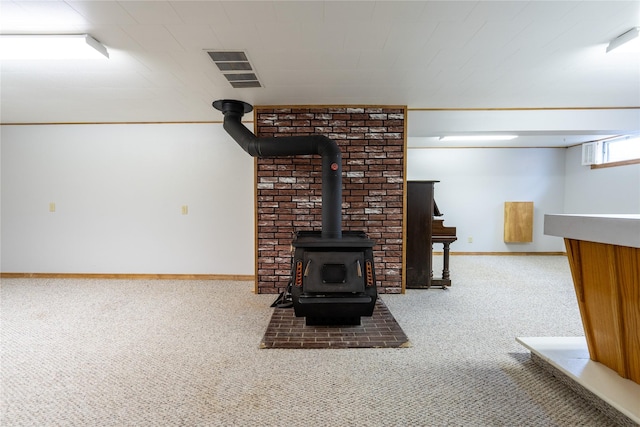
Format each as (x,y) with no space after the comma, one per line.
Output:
(614,164)
(116,123)
(322,106)
(405,153)
(256,283)
(630,107)
(505,253)
(231,277)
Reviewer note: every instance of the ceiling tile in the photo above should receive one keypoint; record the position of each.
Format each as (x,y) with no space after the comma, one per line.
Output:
(158,61)
(323,36)
(281,36)
(377,59)
(495,10)
(546,10)
(398,12)
(196,37)
(201,12)
(194,61)
(348,11)
(417,59)
(366,36)
(494,35)
(102,12)
(601,11)
(153,38)
(232,38)
(94,80)
(152,12)
(448,11)
(409,36)
(451,35)
(537,34)
(299,11)
(285,60)
(245,13)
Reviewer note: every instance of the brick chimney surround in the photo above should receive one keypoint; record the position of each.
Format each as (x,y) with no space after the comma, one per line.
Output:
(288,189)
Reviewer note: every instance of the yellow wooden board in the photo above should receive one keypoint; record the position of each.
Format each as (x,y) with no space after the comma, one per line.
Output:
(607,287)
(518,222)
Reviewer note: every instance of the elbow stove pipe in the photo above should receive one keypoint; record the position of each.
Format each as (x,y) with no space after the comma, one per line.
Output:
(292,146)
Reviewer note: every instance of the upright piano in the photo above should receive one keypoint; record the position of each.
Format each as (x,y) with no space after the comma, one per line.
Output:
(424,228)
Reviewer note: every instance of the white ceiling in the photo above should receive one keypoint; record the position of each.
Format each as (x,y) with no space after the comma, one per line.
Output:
(422,54)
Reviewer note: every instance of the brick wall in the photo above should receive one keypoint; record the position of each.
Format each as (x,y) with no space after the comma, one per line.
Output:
(289,188)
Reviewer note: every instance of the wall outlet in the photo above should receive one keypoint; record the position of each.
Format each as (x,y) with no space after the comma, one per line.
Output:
(469,239)
(185,210)
(52,207)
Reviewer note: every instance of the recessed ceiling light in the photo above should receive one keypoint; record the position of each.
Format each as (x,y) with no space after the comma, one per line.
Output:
(51,46)
(478,137)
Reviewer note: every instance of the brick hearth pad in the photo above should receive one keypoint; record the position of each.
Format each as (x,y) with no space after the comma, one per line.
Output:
(381,330)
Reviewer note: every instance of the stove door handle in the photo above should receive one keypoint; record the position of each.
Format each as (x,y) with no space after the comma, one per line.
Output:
(359,268)
(306,269)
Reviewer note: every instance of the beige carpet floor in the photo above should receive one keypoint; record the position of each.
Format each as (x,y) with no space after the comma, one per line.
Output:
(187,353)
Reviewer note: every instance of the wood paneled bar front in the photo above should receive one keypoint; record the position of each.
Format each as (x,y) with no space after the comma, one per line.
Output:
(604,257)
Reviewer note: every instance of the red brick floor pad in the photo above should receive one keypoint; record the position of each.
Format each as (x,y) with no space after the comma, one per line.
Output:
(381,330)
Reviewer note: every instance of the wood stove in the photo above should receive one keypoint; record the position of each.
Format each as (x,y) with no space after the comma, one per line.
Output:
(332,275)
(333,280)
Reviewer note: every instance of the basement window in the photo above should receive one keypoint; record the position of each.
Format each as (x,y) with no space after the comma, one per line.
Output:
(620,151)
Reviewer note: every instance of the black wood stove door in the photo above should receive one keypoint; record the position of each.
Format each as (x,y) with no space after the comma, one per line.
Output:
(333,271)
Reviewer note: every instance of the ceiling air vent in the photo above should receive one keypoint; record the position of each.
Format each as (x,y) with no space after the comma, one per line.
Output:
(235,66)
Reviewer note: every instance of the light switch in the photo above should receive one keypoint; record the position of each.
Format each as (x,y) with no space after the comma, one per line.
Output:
(52,207)
(185,210)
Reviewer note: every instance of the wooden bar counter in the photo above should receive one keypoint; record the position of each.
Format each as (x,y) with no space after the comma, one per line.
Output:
(604,257)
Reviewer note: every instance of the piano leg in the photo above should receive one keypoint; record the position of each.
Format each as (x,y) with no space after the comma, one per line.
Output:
(430,274)
(445,281)
(445,263)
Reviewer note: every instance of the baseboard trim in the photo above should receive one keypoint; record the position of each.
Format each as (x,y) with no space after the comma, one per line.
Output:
(506,253)
(231,277)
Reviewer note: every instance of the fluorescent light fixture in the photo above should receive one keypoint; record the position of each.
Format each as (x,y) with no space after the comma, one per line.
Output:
(478,137)
(51,46)
(629,39)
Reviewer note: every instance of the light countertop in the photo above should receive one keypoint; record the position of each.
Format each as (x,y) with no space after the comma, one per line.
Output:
(620,230)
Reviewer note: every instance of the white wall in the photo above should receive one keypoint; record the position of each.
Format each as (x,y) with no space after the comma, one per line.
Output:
(605,190)
(475,183)
(118,192)
(119,189)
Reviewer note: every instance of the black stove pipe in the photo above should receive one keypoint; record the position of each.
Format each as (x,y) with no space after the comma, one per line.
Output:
(291,146)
